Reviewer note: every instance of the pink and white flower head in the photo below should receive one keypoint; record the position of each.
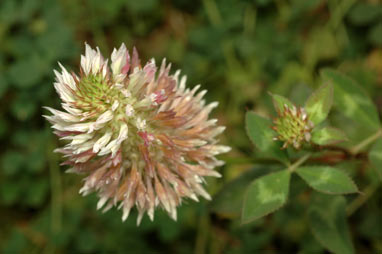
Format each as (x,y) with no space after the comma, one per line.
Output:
(142,138)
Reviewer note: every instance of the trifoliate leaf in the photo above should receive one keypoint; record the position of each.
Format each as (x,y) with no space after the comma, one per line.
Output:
(327,219)
(375,36)
(260,132)
(375,157)
(352,100)
(364,13)
(229,200)
(265,195)
(28,71)
(319,103)
(327,179)
(327,136)
(279,103)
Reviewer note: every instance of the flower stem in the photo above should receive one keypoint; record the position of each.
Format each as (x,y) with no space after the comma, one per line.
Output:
(355,149)
(56,193)
(212,12)
(202,235)
(361,199)
(299,162)
(246,160)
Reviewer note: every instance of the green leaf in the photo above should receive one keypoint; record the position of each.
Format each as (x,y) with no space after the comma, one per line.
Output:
(28,71)
(12,162)
(319,103)
(16,242)
(260,132)
(327,136)
(265,195)
(352,100)
(327,179)
(10,193)
(229,200)
(374,35)
(375,157)
(320,44)
(364,13)
(327,219)
(3,85)
(142,6)
(279,102)
(23,108)
(37,193)
(3,127)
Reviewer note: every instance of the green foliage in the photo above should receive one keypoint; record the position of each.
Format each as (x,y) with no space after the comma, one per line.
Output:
(229,200)
(23,76)
(279,103)
(375,34)
(327,219)
(328,136)
(12,162)
(319,103)
(352,100)
(265,195)
(327,179)
(260,132)
(375,157)
(364,13)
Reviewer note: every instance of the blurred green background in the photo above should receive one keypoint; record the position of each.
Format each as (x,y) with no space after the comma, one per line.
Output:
(238,50)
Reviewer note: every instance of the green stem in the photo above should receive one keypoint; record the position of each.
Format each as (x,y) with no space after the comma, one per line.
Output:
(299,162)
(361,199)
(355,149)
(339,11)
(212,12)
(202,235)
(56,193)
(247,160)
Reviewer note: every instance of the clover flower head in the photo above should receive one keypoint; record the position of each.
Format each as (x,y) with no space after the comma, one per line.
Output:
(293,126)
(141,137)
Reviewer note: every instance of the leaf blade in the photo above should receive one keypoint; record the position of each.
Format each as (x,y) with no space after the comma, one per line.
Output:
(260,133)
(352,100)
(319,103)
(328,136)
(327,220)
(279,102)
(375,157)
(327,179)
(229,200)
(265,195)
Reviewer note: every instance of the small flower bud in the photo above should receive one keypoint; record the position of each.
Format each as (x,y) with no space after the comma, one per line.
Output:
(293,126)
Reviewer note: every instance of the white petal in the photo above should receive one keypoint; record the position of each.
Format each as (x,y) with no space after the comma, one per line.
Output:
(112,148)
(101,202)
(64,93)
(62,115)
(141,124)
(122,133)
(217,149)
(101,142)
(129,110)
(97,62)
(67,78)
(118,59)
(140,216)
(104,117)
(70,110)
(78,139)
(82,127)
(182,84)
(115,105)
